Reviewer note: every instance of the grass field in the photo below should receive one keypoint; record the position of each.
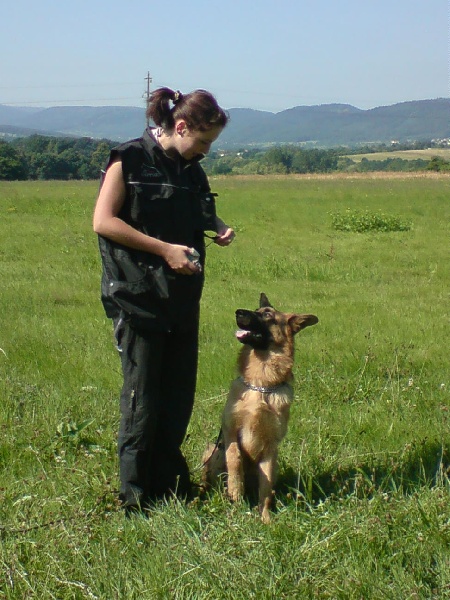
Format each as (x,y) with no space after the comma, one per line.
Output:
(427,154)
(363,500)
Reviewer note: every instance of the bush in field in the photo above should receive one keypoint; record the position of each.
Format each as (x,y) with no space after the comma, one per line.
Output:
(361,222)
(438,164)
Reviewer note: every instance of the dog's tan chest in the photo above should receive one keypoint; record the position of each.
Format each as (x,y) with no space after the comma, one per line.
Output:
(256,415)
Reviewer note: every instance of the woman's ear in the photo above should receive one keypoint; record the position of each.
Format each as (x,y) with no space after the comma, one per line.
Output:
(180,128)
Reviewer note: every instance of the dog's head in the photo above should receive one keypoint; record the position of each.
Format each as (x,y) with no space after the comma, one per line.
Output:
(266,326)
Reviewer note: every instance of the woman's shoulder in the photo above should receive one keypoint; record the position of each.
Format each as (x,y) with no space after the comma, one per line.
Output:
(134,145)
(132,152)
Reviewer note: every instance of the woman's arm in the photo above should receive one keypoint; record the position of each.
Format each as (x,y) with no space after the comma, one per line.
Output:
(107,224)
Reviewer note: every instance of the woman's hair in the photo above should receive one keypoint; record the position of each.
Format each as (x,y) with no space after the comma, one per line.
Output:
(199,110)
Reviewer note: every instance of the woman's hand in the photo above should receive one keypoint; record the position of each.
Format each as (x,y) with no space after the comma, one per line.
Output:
(177,257)
(225,235)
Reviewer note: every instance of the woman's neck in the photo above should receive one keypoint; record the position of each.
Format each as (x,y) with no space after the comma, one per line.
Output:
(166,142)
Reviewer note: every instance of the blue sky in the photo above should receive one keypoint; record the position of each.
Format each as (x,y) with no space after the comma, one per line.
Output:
(257,54)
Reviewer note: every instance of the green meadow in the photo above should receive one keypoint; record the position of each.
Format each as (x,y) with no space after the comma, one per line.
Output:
(363,498)
(427,154)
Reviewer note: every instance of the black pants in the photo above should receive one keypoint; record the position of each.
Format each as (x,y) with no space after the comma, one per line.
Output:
(159,373)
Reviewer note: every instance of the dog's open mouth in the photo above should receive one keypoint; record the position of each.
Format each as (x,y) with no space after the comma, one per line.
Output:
(259,340)
(243,335)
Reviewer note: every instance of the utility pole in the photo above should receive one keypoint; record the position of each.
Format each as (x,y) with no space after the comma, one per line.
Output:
(147,93)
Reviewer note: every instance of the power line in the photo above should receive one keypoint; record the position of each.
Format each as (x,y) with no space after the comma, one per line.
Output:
(68,100)
(59,85)
(37,102)
(146,94)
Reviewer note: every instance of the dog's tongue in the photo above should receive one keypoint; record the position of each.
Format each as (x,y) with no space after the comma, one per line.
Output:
(241,333)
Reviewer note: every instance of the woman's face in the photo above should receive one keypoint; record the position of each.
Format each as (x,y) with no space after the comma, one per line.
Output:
(194,143)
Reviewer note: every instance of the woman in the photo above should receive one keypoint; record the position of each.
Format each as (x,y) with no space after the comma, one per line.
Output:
(152,212)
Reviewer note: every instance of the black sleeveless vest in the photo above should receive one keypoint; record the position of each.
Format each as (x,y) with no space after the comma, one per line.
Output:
(169,200)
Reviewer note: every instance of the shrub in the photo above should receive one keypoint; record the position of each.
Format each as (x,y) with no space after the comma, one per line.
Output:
(362,222)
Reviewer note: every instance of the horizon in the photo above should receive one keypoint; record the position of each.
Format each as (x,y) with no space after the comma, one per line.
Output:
(37,108)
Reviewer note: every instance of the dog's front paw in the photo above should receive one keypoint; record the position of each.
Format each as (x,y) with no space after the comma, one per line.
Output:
(265,507)
(265,516)
(235,491)
(234,496)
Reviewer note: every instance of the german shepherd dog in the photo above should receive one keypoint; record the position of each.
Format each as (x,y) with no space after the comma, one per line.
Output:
(256,414)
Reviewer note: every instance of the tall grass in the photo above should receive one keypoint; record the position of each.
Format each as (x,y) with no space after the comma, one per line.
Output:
(363,505)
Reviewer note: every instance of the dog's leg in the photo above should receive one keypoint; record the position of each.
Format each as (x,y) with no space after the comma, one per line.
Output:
(267,474)
(235,470)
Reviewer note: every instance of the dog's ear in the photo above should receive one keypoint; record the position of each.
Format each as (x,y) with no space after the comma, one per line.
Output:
(298,322)
(264,301)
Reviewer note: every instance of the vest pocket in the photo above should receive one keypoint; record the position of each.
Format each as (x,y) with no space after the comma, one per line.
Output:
(151,204)
(135,297)
(131,287)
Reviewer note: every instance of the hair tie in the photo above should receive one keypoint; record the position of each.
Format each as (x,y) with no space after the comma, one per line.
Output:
(177,97)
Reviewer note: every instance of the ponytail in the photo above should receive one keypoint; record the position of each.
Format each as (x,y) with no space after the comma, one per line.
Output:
(199,109)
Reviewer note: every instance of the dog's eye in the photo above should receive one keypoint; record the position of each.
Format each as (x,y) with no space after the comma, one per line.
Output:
(267,314)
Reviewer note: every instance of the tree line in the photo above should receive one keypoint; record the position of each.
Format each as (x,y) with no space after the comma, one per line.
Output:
(292,159)
(41,157)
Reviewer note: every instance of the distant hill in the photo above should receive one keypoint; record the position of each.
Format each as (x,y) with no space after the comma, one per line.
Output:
(340,124)
(325,125)
(109,122)
(8,132)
